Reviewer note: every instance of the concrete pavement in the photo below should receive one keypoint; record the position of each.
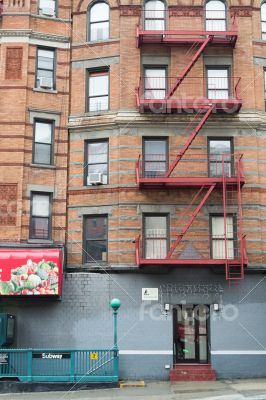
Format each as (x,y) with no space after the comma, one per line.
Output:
(253,389)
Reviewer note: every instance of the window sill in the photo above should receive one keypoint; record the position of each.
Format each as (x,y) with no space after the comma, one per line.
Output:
(94,265)
(45,90)
(96,113)
(40,241)
(101,42)
(43,166)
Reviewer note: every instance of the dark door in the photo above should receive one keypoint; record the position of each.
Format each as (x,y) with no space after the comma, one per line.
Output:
(191,334)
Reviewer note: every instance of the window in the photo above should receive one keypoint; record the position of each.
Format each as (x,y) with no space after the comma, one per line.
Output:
(264,74)
(218,83)
(97,162)
(99,22)
(155,236)
(155,83)
(154,15)
(95,239)
(47,8)
(43,143)
(155,158)
(220,157)
(218,237)
(40,224)
(98,90)
(215,15)
(45,69)
(263,21)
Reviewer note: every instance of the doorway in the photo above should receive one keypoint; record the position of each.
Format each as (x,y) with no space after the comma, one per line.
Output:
(191,334)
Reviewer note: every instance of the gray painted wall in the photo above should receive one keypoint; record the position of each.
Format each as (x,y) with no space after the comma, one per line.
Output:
(83,319)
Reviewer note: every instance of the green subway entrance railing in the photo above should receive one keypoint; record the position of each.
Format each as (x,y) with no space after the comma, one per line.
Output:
(59,365)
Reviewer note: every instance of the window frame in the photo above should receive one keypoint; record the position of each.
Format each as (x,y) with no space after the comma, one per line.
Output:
(264,82)
(168,227)
(84,251)
(31,230)
(152,66)
(235,232)
(55,10)
(222,139)
(218,67)
(89,73)
(226,14)
(262,21)
(154,138)
(52,123)
(89,23)
(54,50)
(158,19)
(86,158)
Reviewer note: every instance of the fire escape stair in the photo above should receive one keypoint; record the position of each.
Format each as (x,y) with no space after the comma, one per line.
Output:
(188,68)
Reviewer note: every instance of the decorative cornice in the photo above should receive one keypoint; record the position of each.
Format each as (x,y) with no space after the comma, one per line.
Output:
(239,11)
(130,11)
(180,11)
(30,34)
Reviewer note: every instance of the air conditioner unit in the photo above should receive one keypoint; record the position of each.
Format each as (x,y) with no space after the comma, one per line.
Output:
(95,179)
(46,83)
(48,11)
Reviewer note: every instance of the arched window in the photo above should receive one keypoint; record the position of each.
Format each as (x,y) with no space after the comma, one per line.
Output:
(154,15)
(216,15)
(263,21)
(99,21)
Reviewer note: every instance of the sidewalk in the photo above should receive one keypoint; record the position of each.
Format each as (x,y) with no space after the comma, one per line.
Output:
(251,389)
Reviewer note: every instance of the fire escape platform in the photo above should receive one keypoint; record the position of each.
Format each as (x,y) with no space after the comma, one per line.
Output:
(189,262)
(185,37)
(175,182)
(171,105)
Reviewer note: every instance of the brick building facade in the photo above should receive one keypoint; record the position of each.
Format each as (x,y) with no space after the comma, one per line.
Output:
(156,113)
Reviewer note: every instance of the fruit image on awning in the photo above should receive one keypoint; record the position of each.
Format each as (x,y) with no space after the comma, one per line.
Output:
(26,272)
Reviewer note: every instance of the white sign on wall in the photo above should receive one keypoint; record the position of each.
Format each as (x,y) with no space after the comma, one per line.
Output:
(150,294)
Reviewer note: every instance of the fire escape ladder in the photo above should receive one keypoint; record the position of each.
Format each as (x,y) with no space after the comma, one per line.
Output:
(187,69)
(242,243)
(192,136)
(234,271)
(193,216)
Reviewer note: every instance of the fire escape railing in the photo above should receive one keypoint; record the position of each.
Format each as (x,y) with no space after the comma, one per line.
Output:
(155,168)
(169,20)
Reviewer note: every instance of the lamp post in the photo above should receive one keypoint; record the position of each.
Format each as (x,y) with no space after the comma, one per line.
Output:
(115,304)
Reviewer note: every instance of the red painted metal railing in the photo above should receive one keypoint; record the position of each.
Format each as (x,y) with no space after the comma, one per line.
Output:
(200,249)
(172,28)
(172,20)
(195,93)
(155,167)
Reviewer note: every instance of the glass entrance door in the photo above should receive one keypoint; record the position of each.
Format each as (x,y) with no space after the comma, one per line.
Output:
(191,334)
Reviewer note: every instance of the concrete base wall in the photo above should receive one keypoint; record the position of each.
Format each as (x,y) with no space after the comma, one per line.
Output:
(83,319)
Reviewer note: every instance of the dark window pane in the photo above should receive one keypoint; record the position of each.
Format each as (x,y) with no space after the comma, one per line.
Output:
(96,250)
(40,228)
(96,228)
(42,154)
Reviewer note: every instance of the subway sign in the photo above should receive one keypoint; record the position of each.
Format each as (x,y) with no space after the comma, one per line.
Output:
(31,272)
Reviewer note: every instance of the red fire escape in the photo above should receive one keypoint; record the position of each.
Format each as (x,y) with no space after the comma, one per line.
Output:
(226,251)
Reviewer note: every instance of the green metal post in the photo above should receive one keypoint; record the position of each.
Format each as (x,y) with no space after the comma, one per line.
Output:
(115,304)
(29,372)
(72,366)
